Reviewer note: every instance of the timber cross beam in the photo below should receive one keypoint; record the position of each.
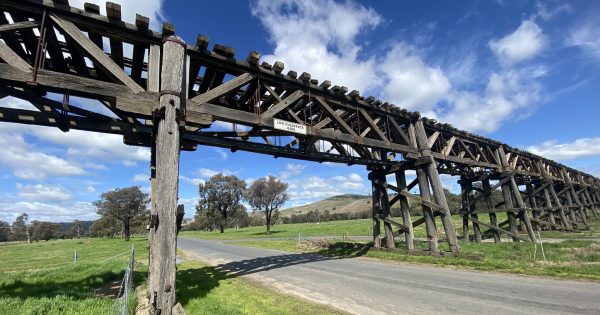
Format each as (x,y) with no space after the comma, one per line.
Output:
(181,95)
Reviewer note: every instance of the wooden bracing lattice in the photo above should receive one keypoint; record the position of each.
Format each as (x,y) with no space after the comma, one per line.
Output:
(155,90)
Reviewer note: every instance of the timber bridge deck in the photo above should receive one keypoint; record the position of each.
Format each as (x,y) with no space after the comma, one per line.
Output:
(163,93)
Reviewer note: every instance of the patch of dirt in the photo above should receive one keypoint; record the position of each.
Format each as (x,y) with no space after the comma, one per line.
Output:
(109,290)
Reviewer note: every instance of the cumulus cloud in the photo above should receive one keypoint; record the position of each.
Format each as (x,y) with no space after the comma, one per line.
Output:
(583,147)
(410,82)
(525,42)
(43,193)
(28,163)
(320,37)
(192,181)
(44,211)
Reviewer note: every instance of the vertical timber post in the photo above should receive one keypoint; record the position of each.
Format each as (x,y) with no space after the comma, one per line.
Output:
(167,119)
(376,211)
(436,185)
(405,209)
(490,203)
(384,203)
(533,204)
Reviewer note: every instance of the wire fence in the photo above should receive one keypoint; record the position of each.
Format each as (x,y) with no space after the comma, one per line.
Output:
(126,291)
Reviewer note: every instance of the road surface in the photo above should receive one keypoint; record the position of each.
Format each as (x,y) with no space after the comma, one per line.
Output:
(364,286)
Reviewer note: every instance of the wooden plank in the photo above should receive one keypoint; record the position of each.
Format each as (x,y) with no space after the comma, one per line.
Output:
(96,54)
(449,145)
(142,103)
(372,124)
(18,26)
(139,51)
(400,134)
(13,59)
(223,89)
(515,236)
(339,121)
(405,210)
(113,12)
(431,139)
(283,104)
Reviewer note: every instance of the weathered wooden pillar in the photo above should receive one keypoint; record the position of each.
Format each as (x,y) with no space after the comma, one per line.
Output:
(163,230)
(464,197)
(386,213)
(591,202)
(430,227)
(551,210)
(516,193)
(375,197)
(487,189)
(405,210)
(436,185)
(153,85)
(523,214)
(532,202)
(561,210)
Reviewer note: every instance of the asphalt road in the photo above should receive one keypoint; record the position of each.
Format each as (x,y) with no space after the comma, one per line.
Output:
(371,287)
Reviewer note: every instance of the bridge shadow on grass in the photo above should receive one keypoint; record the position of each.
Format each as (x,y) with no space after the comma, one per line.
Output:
(265,233)
(198,282)
(47,287)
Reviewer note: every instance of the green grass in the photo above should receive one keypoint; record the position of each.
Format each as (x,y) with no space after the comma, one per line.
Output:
(204,289)
(573,259)
(338,228)
(41,278)
(593,232)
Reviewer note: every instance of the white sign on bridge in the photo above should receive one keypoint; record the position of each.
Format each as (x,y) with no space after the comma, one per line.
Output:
(289,126)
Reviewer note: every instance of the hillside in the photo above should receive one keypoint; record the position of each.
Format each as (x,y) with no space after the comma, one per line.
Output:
(336,204)
(352,204)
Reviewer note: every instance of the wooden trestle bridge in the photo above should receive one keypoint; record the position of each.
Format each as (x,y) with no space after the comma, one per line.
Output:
(166,94)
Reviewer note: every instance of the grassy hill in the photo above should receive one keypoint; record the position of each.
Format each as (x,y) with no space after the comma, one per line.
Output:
(336,204)
(352,204)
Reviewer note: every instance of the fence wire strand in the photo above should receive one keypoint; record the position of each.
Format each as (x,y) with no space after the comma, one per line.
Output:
(121,305)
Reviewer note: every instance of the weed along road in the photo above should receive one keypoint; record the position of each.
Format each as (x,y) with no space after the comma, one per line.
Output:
(359,285)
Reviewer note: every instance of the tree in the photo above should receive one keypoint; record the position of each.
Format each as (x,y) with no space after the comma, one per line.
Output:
(106,227)
(41,230)
(5,234)
(221,194)
(76,229)
(126,205)
(20,228)
(268,195)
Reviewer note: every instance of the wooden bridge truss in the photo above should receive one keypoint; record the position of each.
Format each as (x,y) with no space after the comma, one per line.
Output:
(161,92)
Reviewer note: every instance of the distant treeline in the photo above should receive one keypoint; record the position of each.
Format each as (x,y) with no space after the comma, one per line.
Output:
(23,230)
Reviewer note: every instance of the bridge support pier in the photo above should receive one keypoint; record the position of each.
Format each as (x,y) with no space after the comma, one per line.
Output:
(165,181)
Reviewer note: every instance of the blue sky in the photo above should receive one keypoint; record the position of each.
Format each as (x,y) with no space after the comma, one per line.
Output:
(522,72)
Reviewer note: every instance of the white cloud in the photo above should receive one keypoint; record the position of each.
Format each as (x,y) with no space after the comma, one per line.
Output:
(43,193)
(27,163)
(566,151)
(524,43)
(586,36)
(320,37)
(53,212)
(547,13)
(90,189)
(140,178)
(315,188)
(221,152)
(507,93)
(192,181)
(410,83)
(207,172)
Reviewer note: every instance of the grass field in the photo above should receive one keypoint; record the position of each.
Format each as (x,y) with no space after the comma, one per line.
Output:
(204,289)
(41,278)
